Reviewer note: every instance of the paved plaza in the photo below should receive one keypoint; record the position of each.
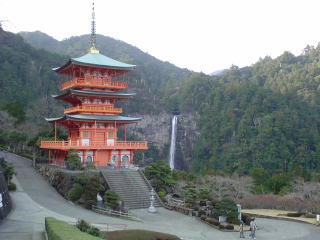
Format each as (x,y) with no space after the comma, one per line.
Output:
(35,199)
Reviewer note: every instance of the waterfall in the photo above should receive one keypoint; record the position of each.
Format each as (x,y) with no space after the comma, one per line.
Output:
(173,141)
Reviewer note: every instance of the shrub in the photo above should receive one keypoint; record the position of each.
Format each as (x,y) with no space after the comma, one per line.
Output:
(246,218)
(59,230)
(226,207)
(201,213)
(92,187)
(111,199)
(88,204)
(212,221)
(297,214)
(82,225)
(203,218)
(94,232)
(162,193)
(214,202)
(229,227)
(72,160)
(12,187)
(233,221)
(221,226)
(75,192)
(310,215)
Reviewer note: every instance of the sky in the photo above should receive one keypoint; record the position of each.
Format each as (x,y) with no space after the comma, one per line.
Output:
(200,35)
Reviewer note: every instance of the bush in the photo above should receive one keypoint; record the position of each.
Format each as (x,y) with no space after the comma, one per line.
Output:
(226,207)
(12,187)
(59,230)
(82,225)
(310,215)
(201,213)
(92,187)
(73,161)
(233,221)
(88,204)
(221,226)
(162,193)
(111,199)
(212,221)
(297,214)
(75,192)
(94,232)
(229,227)
(203,218)
(246,218)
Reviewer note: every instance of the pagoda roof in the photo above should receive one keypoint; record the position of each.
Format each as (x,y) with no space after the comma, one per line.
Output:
(93,93)
(97,60)
(87,117)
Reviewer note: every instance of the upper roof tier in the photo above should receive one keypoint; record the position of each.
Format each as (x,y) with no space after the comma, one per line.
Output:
(95,60)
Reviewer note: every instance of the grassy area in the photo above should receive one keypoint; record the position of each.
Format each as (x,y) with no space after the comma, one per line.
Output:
(278,214)
(59,230)
(139,235)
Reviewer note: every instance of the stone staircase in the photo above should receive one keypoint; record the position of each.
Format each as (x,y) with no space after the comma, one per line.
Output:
(131,185)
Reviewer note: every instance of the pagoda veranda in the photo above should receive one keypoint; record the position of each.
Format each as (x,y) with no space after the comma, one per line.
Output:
(92,119)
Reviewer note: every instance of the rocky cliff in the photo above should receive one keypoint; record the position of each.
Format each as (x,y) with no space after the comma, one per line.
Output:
(156,129)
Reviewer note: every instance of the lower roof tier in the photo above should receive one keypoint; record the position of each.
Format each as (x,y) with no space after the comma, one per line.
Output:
(73,95)
(65,120)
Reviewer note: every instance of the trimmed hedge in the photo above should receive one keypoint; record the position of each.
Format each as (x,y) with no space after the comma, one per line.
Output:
(59,230)
(212,221)
(229,227)
(139,235)
(296,214)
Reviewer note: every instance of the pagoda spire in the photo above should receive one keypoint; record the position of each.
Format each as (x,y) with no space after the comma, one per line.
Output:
(92,48)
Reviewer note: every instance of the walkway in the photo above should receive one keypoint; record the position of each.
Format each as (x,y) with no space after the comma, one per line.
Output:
(36,199)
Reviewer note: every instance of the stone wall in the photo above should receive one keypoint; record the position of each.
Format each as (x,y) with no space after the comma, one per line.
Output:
(61,179)
(157,130)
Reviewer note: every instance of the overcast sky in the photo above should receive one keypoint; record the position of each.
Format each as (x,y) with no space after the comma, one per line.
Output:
(201,35)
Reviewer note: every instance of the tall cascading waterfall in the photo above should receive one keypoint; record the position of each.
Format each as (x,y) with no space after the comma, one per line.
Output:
(173,141)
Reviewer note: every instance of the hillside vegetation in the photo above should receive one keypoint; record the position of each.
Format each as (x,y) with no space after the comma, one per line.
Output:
(262,116)
(265,115)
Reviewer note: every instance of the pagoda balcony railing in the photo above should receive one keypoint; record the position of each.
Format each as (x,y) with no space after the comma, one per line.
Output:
(94,109)
(66,145)
(100,82)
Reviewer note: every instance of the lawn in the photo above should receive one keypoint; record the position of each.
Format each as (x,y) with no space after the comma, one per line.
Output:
(277,214)
(139,235)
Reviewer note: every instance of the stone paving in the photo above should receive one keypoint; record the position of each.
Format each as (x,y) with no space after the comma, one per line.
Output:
(36,199)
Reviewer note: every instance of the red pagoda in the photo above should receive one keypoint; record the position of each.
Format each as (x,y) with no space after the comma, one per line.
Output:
(93,120)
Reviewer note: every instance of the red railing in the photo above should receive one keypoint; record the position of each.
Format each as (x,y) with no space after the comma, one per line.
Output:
(65,145)
(94,82)
(94,108)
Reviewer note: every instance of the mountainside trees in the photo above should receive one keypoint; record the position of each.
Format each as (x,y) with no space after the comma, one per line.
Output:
(266,115)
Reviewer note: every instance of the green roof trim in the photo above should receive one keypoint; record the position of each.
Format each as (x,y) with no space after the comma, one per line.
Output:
(97,60)
(86,117)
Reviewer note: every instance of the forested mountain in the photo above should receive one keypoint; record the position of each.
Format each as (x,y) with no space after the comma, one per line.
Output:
(266,115)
